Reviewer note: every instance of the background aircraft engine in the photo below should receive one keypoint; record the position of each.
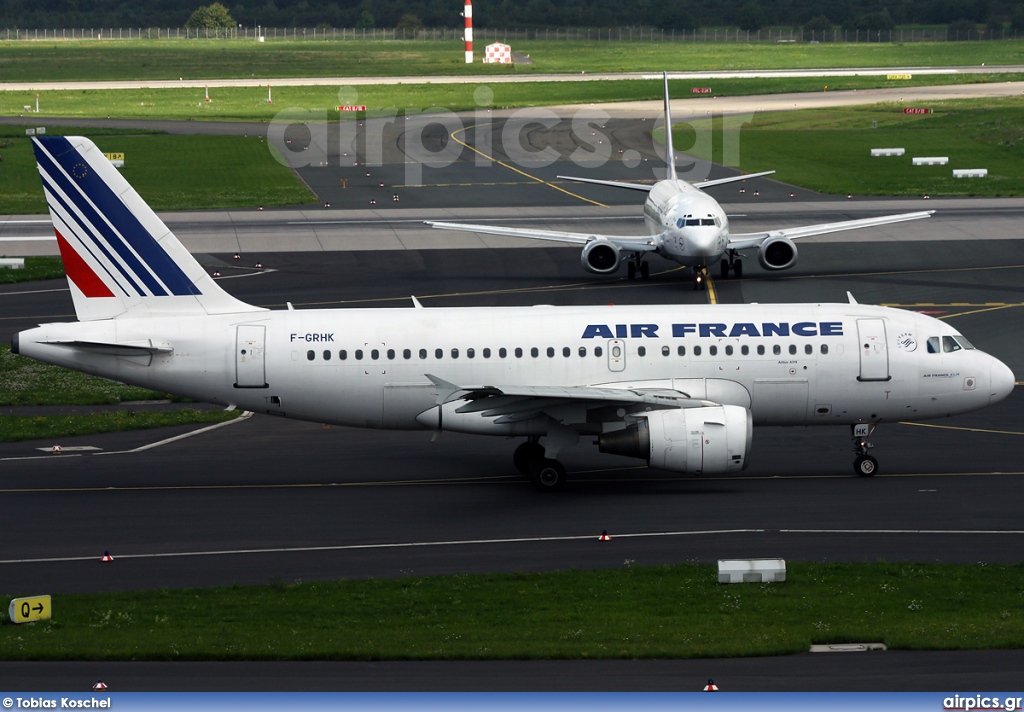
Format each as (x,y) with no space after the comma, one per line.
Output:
(709,440)
(600,257)
(777,253)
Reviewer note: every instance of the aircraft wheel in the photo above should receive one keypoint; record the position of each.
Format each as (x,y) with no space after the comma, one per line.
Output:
(526,455)
(725,269)
(548,475)
(631,270)
(737,268)
(645,270)
(865,466)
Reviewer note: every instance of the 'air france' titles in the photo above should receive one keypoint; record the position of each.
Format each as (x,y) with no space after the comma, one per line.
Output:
(766,328)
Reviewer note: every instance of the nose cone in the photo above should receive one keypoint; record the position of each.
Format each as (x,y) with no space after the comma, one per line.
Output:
(702,241)
(1002,381)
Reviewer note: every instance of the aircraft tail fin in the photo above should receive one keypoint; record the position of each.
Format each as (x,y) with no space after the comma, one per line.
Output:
(120,257)
(670,154)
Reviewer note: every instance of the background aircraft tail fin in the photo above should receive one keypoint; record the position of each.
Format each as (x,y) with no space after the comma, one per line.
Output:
(670,154)
(120,257)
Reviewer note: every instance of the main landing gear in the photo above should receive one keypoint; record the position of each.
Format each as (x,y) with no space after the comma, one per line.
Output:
(864,465)
(636,264)
(546,474)
(733,263)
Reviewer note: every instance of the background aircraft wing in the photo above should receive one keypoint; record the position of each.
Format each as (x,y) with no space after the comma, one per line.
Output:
(612,183)
(753,239)
(731,179)
(629,243)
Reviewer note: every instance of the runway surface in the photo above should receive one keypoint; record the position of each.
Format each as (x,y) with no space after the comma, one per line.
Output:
(367,503)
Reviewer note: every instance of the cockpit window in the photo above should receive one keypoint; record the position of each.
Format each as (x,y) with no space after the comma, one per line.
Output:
(680,222)
(707,221)
(718,222)
(949,344)
(690,222)
(963,342)
(933,344)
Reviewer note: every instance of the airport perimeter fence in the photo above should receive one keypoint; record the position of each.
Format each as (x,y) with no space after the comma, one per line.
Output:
(483,35)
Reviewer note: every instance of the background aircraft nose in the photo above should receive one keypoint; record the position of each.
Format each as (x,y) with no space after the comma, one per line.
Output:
(1002,381)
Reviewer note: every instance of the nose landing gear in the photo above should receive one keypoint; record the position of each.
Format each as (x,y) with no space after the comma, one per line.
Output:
(700,278)
(864,465)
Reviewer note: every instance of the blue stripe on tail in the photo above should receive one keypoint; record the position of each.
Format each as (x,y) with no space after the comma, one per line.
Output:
(111,207)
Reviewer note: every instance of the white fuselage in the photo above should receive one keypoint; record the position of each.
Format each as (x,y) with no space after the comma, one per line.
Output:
(789,364)
(693,228)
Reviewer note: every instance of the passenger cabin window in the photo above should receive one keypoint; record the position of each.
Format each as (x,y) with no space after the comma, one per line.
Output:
(566,351)
(535,352)
(310,355)
(681,350)
(439,354)
(728,350)
(502,352)
(713,350)
(470,353)
(792,349)
(744,349)
(327,355)
(391,354)
(598,351)
(696,350)
(551,352)
(583,351)
(808,349)
(519,352)
(665,351)
(343,354)
(641,350)
(359,354)
(760,349)
(455,353)
(423,354)
(487,353)
(406,354)
(824,348)
(776,349)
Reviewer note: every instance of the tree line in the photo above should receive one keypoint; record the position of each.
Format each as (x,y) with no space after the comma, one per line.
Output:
(820,15)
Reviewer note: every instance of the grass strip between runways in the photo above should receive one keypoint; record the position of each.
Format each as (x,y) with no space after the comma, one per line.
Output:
(35,427)
(634,612)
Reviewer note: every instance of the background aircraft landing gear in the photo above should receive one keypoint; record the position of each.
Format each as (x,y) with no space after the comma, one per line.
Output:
(864,465)
(636,264)
(526,455)
(732,263)
(548,475)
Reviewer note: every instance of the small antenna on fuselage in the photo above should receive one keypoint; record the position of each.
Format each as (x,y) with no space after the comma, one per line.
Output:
(670,154)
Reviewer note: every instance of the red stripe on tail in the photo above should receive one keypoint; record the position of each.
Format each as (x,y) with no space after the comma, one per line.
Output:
(79,272)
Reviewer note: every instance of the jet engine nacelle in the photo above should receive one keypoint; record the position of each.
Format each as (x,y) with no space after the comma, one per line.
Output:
(777,253)
(710,440)
(601,257)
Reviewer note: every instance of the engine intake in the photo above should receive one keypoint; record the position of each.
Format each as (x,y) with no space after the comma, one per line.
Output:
(711,440)
(777,253)
(600,257)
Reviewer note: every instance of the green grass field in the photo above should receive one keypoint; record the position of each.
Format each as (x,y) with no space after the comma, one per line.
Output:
(198,59)
(170,172)
(829,150)
(249,104)
(36,269)
(628,613)
(20,427)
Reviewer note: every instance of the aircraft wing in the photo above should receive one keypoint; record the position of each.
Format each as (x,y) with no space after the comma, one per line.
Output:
(741,241)
(513,403)
(731,179)
(629,243)
(612,183)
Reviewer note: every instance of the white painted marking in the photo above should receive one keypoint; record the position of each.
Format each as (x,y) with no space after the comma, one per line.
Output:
(28,239)
(521,540)
(33,291)
(73,448)
(244,416)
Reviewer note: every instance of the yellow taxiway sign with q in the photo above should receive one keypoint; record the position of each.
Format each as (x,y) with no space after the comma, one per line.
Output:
(26,610)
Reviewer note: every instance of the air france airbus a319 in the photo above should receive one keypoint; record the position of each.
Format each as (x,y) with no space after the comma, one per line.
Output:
(680,387)
(685,225)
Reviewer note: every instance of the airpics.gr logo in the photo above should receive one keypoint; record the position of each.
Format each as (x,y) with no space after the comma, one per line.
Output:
(981,702)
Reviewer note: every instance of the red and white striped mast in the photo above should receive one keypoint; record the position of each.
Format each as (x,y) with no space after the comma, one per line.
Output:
(468,14)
